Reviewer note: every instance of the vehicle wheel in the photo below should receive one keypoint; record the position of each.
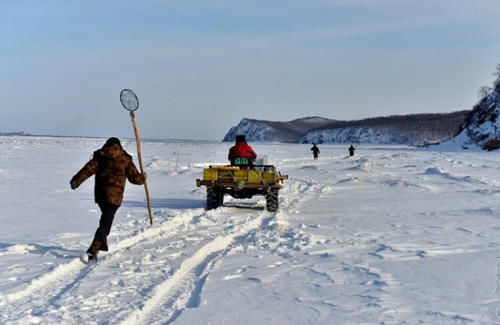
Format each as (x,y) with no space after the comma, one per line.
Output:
(272,200)
(220,197)
(215,198)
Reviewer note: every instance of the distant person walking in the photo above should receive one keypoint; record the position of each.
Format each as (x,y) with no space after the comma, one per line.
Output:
(112,166)
(315,151)
(351,150)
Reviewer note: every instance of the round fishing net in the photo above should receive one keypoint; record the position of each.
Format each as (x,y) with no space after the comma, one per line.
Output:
(129,100)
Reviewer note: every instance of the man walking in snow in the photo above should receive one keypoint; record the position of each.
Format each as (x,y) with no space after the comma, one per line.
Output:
(241,153)
(315,151)
(351,150)
(112,166)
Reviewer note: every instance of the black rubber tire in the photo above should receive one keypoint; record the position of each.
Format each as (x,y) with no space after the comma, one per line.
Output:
(272,200)
(215,198)
(220,197)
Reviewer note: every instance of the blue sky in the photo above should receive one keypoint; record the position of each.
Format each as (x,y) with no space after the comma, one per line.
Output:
(199,67)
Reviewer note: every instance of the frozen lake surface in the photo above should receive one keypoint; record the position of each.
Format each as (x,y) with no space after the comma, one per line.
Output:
(392,235)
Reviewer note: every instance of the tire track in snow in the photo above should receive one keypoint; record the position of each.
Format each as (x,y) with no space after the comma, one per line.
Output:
(58,274)
(182,287)
(169,290)
(69,274)
(187,286)
(61,280)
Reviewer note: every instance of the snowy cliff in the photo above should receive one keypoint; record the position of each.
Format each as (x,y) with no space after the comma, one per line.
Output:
(413,129)
(363,135)
(482,124)
(269,131)
(254,131)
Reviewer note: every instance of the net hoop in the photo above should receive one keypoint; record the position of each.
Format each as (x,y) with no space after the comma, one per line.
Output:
(129,100)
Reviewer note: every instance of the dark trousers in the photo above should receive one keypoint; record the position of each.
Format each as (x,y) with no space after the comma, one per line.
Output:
(107,216)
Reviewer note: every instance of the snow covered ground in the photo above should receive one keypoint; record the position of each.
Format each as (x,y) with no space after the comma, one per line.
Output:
(393,235)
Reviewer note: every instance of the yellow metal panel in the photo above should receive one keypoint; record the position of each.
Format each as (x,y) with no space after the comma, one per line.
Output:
(209,174)
(254,176)
(227,167)
(226,175)
(232,175)
(270,178)
(240,175)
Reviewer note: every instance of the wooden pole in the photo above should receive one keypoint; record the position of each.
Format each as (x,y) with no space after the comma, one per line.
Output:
(138,141)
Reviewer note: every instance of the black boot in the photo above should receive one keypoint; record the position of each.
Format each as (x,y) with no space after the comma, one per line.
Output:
(104,246)
(93,250)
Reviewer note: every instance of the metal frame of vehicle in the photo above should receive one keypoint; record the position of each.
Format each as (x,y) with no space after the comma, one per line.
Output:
(235,183)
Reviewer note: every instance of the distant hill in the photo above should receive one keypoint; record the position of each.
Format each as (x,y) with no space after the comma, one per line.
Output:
(414,129)
(270,131)
(21,133)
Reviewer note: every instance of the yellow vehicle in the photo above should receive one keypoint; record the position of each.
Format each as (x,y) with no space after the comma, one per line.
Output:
(242,183)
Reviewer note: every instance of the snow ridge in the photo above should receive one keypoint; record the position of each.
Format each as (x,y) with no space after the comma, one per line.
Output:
(59,275)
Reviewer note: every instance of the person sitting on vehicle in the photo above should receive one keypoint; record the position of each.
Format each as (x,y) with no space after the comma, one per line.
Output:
(241,154)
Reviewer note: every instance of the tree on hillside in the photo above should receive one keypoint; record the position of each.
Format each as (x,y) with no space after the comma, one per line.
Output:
(484,91)
(496,83)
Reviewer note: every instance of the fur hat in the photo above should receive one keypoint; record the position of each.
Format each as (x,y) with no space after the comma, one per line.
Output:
(112,141)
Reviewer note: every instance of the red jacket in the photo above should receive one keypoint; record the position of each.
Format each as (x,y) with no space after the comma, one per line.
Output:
(241,150)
